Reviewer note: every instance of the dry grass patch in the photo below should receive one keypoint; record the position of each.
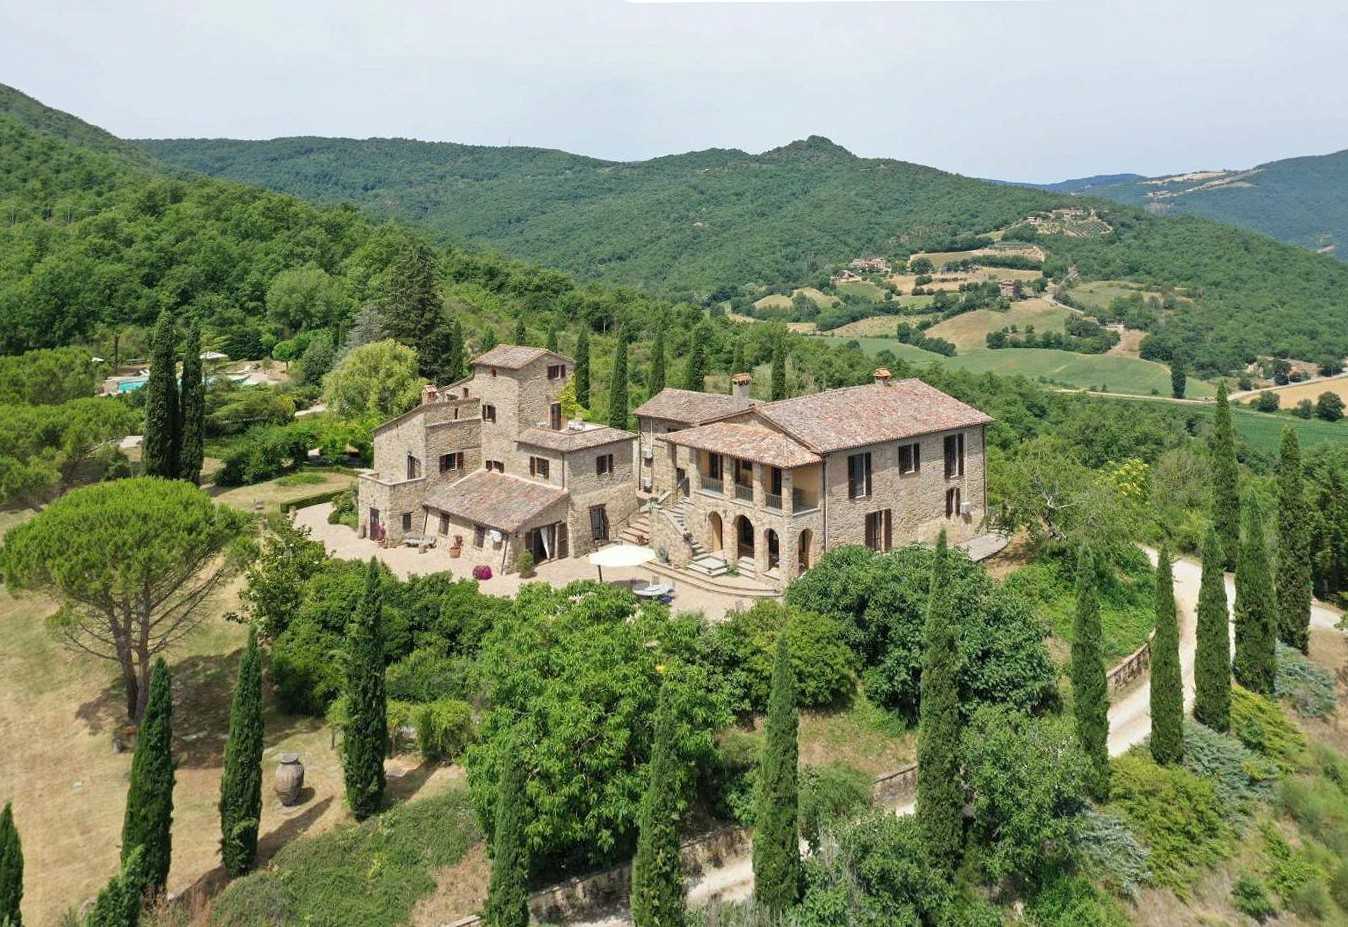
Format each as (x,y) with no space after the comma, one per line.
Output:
(1293,394)
(969,330)
(862,735)
(460,890)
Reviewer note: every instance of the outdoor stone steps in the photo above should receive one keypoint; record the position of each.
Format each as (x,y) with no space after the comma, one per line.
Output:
(708,565)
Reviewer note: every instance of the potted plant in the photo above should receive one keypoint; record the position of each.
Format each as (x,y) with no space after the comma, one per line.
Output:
(456,549)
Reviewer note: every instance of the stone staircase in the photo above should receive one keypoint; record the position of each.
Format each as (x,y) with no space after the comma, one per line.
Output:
(702,561)
(638,529)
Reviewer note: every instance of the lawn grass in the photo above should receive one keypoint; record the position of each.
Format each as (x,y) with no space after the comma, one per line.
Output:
(274,493)
(357,875)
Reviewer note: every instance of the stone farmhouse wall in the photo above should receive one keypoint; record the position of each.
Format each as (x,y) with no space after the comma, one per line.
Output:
(612,490)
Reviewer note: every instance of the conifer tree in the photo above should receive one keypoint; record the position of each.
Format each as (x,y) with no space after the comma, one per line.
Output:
(1225,481)
(489,340)
(160,448)
(553,338)
(583,366)
(779,370)
(521,335)
(617,384)
(737,364)
(1256,611)
(508,894)
(11,870)
(940,789)
(777,869)
(192,409)
(148,824)
(658,361)
(657,898)
(695,374)
(365,742)
(1294,577)
(443,362)
(1212,664)
(1090,689)
(119,903)
(241,783)
(410,304)
(1167,685)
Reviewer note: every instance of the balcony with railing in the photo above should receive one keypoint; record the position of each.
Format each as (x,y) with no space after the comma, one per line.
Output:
(744,493)
(712,486)
(773,500)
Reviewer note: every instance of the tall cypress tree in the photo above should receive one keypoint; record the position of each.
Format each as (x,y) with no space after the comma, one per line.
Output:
(489,339)
(1090,689)
(119,903)
(1212,664)
(160,449)
(521,335)
(657,898)
(1294,578)
(1256,663)
(192,409)
(617,384)
(1167,686)
(940,789)
(583,366)
(149,800)
(779,369)
(508,894)
(1225,481)
(11,870)
(777,868)
(695,374)
(658,361)
(410,304)
(737,364)
(456,355)
(241,783)
(365,744)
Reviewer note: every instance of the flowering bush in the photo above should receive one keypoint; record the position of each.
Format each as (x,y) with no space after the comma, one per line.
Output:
(481,571)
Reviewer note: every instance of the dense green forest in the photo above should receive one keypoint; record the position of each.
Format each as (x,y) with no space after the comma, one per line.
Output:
(697,225)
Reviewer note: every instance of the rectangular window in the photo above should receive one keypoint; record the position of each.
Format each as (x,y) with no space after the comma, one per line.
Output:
(451,462)
(714,466)
(744,472)
(603,465)
(479,535)
(775,481)
(954,455)
(859,476)
(879,530)
(555,416)
(444,523)
(952,502)
(496,465)
(598,523)
(413,467)
(407,521)
(557,371)
(488,413)
(538,467)
(910,458)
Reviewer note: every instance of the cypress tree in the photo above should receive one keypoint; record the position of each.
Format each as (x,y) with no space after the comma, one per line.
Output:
(455,355)
(508,894)
(148,824)
(695,374)
(119,903)
(658,361)
(1225,481)
(241,783)
(583,366)
(1294,550)
(1178,378)
(521,335)
(489,339)
(365,744)
(940,789)
(160,449)
(1212,664)
(779,370)
(11,870)
(737,364)
(657,876)
(1167,686)
(410,304)
(617,384)
(1256,663)
(553,338)
(1090,689)
(777,869)
(192,409)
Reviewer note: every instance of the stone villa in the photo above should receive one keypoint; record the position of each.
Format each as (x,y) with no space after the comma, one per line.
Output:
(717,484)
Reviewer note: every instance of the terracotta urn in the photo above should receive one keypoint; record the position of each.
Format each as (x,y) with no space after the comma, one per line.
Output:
(289,778)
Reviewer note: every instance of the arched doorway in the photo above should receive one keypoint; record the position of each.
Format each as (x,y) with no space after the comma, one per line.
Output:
(717,542)
(774,549)
(744,536)
(803,551)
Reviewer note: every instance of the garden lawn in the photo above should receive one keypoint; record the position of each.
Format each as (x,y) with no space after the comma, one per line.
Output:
(289,488)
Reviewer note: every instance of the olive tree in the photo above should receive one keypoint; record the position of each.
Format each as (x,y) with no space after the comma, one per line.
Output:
(131,563)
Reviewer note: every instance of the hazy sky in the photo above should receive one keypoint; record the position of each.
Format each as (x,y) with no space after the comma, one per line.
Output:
(1033,90)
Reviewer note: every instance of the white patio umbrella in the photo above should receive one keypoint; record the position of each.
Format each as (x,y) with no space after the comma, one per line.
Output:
(620,555)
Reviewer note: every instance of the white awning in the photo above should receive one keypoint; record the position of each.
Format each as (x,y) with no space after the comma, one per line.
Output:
(621,555)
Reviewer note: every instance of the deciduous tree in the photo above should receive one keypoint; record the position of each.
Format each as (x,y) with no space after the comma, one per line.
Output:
(241,782)
(1256,663)
(940,788)
(1090,689)
(1293,584)
(657,898)
(1225,481)
(162,437)
(131,562)
(365,739)
(1212,664)
(148,825)
(1167,685)
(379,379)
(777,870)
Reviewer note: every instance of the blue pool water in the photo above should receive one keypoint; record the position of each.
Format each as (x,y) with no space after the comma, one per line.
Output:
(128,386)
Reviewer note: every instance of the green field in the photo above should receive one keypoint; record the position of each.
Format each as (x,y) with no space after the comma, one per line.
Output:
(1263,431)
(863,288)
(1107,372)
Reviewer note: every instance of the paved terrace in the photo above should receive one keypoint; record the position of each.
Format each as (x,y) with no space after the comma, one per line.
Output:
(341,541)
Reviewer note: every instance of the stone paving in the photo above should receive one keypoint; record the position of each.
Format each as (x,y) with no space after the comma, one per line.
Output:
(341,541)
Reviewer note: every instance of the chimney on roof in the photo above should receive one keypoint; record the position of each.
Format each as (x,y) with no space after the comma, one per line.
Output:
(739,385)
(883,376)
(429,394)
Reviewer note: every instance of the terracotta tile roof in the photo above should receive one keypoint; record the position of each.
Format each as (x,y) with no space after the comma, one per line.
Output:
(515,356)
(496,500)
(568,440)
(747,442)
(684,405)
(858,415)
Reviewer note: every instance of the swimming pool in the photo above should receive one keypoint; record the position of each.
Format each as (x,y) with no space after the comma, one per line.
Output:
(131,384)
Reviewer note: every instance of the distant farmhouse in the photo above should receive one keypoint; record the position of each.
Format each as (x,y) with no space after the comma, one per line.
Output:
(870,265)
(718,484)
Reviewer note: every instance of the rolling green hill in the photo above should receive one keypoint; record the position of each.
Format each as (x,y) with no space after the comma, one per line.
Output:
(58,125)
